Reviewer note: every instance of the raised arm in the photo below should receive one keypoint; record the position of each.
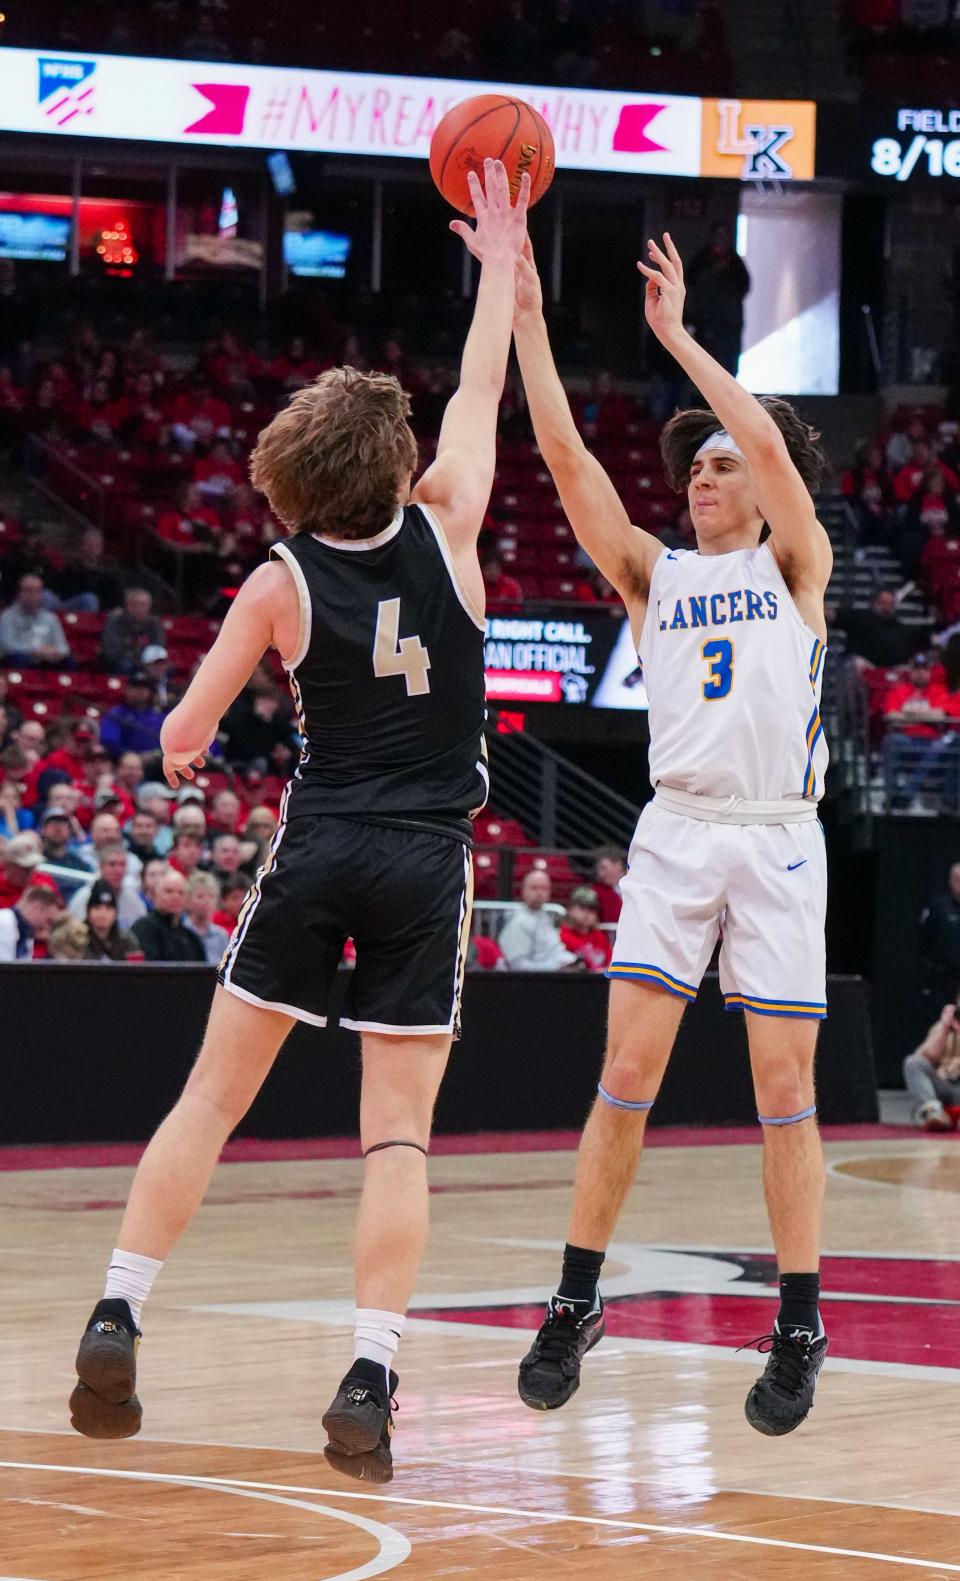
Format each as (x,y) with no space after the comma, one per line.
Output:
(625,554)
(457,486)
(800,544)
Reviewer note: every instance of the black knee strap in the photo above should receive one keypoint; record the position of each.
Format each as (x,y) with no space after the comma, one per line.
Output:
(377,1146)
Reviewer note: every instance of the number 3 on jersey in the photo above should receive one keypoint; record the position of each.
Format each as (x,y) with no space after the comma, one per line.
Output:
(393,655)
(719,656)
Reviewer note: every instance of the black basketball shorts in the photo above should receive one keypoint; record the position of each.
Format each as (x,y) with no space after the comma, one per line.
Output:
(403,895)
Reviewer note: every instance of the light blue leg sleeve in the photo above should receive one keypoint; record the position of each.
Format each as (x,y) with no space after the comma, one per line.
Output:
(621,1103)
(790,1119)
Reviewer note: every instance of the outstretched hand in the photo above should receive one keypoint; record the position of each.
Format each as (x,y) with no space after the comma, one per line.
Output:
(501,226)
(666,291)
(176,768)
(529,292)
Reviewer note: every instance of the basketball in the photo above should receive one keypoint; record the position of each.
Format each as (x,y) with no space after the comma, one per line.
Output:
(491,126)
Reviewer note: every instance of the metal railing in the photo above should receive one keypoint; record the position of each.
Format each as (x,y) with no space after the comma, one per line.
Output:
(557,802)
(921,774)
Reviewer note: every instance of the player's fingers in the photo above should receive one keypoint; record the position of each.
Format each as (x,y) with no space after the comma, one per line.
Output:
(674,256)
(523,198)
(528,251)
(653,275)
(477,195)
(466,234)
(660,257)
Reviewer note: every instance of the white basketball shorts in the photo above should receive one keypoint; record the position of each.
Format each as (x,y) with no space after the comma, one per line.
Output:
(761,887)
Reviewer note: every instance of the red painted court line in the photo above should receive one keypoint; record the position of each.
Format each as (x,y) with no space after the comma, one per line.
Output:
(250,1150)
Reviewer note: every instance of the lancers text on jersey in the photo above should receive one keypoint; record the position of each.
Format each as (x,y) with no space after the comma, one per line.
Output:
(717,609)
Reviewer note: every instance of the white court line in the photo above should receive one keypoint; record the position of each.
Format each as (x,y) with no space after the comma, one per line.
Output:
(226,1484)
(394,1547)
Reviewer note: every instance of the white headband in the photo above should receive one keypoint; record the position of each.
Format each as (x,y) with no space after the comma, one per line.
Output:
(720,441)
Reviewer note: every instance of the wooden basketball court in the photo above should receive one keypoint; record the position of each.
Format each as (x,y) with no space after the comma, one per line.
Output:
(651,1469)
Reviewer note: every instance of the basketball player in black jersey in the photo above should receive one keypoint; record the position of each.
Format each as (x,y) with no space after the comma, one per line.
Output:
(375,604)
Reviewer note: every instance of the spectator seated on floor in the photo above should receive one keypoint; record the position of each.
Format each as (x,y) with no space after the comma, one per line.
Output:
(24,927)
(31,635)
(203,899)
(921,741)
(932,1074)
(107,939)
(581,932)
(939,942)
(530,941)
(609,869)
(502,590)
(112,869)
(876,635)
(129,630)
(162,933)
(134,725)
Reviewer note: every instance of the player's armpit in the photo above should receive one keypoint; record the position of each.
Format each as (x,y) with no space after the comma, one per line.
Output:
(625,554)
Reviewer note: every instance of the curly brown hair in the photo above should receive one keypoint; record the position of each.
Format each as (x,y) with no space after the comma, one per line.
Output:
(335,460)
(686,432)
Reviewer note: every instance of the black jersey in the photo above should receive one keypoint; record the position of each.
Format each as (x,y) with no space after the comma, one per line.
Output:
(388,681)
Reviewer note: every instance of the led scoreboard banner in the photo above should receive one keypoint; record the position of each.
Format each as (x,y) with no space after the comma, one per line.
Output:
(585,658)
(915,144)
(136,98)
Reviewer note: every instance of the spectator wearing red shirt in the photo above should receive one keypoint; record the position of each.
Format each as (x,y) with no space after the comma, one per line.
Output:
(609,867)
(197,416)
(932,512)
(484,954)
(71,758)
(294,369)
(217,473)
(502,590)
(910,477)
(233,892)
(21,857)
(191,524)
(224,814)
(581,931)
(25,926)
(187,852)
(920,745)
(869,488)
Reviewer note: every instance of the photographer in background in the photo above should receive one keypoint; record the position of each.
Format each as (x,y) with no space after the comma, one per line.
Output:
(932,1074)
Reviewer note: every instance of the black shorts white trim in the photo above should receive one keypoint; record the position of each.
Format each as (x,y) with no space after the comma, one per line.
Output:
(403,895)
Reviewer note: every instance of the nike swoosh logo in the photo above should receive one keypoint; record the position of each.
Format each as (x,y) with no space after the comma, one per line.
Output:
(792,866)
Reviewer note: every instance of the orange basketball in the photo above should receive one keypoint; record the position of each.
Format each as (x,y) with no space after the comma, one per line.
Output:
(491,126)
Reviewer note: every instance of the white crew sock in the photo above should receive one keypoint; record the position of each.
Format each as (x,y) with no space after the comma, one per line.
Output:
(130,1278)
(376,1336)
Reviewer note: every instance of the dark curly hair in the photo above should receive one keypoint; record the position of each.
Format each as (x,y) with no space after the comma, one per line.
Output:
(686,432)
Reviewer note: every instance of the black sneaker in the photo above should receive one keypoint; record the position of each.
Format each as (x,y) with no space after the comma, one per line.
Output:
(104,1403)
(550,1371)
(783,1397)
(359,1424)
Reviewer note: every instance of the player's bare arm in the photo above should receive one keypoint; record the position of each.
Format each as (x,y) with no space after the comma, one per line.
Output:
(799,542)
(625,554)
(457,486)
(265,613)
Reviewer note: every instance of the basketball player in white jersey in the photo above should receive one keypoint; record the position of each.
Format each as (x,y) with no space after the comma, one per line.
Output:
(731,638)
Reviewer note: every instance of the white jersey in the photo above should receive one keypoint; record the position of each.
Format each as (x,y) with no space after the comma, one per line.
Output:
(733,675)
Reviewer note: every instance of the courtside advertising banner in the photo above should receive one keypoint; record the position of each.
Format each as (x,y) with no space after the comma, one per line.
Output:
(586,658)
(333,112)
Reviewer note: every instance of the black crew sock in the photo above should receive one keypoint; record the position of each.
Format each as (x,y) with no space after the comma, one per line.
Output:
(581,1275)
(799,1298)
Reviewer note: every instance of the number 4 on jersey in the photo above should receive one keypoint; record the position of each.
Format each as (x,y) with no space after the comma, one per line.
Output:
(393,655)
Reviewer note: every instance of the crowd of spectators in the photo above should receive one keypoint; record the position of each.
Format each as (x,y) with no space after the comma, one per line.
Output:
(903,490)
(677,43)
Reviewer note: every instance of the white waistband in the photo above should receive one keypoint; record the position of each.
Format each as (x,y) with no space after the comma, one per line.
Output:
(734,809)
